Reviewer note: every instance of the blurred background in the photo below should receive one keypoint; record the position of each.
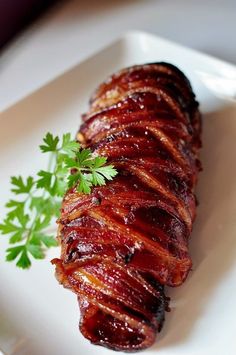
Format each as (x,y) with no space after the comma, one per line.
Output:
(39,39)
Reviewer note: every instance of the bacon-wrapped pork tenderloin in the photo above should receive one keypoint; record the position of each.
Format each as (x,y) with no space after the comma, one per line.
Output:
(122,243)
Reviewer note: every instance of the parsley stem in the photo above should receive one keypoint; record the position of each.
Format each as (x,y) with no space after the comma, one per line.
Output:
(27,221)
(51,168)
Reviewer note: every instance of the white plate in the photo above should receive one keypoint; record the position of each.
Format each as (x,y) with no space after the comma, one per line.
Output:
(40,317)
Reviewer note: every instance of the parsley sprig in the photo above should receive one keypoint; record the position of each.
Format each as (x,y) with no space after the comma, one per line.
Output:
(38,200)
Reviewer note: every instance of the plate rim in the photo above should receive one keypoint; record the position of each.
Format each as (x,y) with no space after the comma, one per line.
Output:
(127,36)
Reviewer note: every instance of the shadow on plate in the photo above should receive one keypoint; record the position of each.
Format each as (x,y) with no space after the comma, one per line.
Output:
(213,242)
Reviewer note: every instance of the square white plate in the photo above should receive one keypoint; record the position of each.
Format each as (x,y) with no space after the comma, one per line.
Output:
(38,316)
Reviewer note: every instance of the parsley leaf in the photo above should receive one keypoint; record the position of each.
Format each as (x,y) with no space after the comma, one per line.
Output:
(27,220)
(13,252)
(69,146)
(8,227)
(45,180)
(84,184)
(84,157)
(50,143)
(24,261)
(107,171)
(19,187)
(15,206)
(99,161)
(49,241)
(98,179)
(36,251)
(73,179)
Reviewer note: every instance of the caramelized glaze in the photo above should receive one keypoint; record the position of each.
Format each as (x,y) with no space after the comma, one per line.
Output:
(125,241)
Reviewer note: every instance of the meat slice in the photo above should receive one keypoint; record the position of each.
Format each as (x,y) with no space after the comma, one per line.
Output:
(125,241)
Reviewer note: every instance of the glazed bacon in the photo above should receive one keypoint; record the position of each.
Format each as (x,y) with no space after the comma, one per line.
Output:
(125,241)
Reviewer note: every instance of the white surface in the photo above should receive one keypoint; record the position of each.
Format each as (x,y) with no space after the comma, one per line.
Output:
(76,29)
(38,316)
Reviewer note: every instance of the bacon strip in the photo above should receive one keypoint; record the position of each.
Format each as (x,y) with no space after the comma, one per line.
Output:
(125,241)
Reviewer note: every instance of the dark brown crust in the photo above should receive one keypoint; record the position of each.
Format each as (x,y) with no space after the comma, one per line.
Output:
(126,240)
